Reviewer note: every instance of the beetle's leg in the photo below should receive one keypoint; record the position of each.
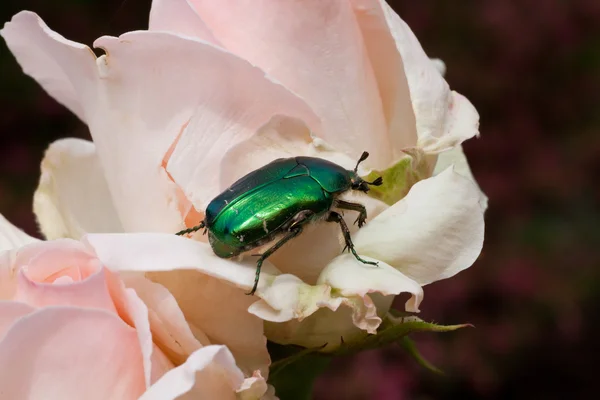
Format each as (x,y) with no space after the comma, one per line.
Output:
(346,205)
(192,229)
(335,217)
(295,231)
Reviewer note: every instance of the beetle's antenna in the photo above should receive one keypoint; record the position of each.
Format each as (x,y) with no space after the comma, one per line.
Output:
(362,158)
(376,182)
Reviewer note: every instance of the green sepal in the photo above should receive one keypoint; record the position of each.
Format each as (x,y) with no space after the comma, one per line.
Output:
(400,177)
(392,329)
(294,368)
(411,348)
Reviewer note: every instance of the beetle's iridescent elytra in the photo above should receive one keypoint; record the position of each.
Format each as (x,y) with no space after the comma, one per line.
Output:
(276,201)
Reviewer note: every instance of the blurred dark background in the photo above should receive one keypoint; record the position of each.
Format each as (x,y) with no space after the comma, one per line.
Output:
(532,69)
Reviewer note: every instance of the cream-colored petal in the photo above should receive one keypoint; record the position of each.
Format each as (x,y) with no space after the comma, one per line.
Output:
(209,373)
(444,118)
(256,388)
(12,237)
(456,157)
(433,233)
(72,197)
(350,277)
(316,49)
(367,292)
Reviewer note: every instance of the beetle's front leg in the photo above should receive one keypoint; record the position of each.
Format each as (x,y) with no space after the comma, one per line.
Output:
(201,225)
(335,217)
(295,231)
(346,205)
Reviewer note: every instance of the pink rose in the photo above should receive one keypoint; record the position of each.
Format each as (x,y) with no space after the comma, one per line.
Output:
(215,89)
(72,329)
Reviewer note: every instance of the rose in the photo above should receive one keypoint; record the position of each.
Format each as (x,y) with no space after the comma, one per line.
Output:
(212,91)
(71,329)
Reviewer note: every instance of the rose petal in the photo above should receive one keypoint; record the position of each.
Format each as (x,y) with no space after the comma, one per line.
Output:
(89,292)
(209,373)
(178,16)
(223,118)
(255,388)
(98,353)
(365,290)
(10,312)
(350,277)
(435,232)
(12,237)
(332,70)
(220,311)
(444,118)
(165,252)
(72,197)
(63,67)
(155,363)
(457,158)
(312,316)
(158,252)
(389,71)
(169,328)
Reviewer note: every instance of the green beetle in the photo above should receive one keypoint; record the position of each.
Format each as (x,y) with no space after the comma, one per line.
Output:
(277,201)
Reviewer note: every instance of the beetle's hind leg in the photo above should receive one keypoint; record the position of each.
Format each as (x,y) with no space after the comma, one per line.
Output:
(335,217)
(201,225)
(292,233)
(362,211)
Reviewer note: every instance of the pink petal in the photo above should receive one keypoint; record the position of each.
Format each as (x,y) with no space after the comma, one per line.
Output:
(388,69)
(155,363)
(41,263)
(168,324)
(11,238)
(199,114)
(72,197)
(209,373)
(10,312)
(220,311)
(156,252)
(71,353)
(331,67)
(64,68)
(170,256)
(178,16)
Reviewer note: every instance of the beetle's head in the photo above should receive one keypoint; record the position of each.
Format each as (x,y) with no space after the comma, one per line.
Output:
(359,183)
